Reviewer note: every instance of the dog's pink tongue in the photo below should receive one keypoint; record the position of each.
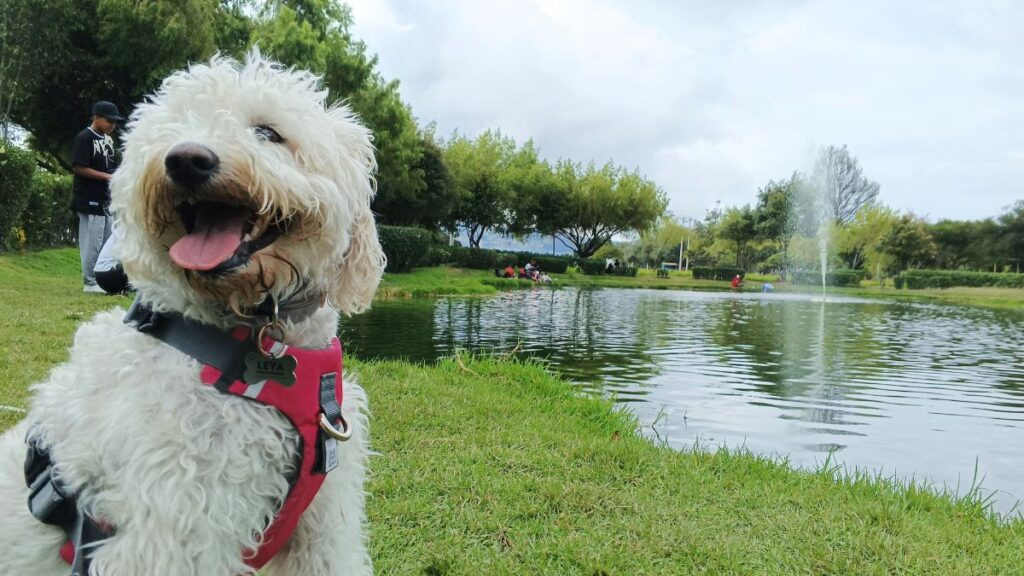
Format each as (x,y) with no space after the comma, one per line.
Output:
(217,234)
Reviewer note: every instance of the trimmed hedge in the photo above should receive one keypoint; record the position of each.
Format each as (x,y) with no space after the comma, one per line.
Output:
(918,279)
(404,247)
(475,258)
(596,266)
(623,271)
(716,273)
(547,263)
(48,220)
(592,267)
(437,254)
(17,166)
(484,259)
(839,278)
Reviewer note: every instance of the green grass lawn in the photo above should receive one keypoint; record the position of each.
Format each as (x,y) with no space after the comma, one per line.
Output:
(497,467)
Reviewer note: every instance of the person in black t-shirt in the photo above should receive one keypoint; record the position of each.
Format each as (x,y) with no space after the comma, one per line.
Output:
(92,156)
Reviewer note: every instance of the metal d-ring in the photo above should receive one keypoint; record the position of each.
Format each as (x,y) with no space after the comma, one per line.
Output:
(272,325)
(340,435)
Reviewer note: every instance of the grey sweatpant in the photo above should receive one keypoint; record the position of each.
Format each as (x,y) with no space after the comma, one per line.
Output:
(93,231)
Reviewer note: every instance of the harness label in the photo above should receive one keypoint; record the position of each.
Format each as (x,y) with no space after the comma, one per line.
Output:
(259,368)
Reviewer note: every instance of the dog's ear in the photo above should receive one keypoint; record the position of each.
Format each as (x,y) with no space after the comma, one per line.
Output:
(360,273)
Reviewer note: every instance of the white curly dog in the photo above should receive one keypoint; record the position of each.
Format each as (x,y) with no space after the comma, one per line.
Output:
(239,187)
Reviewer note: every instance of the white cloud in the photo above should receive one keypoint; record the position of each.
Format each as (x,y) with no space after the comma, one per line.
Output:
(713,100)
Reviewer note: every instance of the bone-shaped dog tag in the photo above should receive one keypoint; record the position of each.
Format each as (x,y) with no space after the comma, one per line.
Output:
(259,368)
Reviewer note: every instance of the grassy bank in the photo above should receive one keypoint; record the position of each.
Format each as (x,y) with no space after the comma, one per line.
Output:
(496,467)
(447,281)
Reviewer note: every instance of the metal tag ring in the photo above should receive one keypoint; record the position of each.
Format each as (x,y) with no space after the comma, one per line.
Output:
(272,325)
(340,435)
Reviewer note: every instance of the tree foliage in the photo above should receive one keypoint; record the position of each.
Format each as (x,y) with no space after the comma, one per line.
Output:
(74,52)
(776,216)
(739,226)
(316,35)
(60,56)
(908,244)
(593,204)
(840,181)
(860,242)
(481,183)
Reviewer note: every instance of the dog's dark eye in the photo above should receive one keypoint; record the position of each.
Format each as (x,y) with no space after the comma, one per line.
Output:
(267,134)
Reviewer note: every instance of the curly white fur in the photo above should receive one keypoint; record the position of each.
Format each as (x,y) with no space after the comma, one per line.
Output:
(189,476)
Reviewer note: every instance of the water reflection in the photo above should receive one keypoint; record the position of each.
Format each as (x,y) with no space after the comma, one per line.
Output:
(911,389)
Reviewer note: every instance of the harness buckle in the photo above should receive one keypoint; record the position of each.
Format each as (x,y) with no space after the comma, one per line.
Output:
(48,500)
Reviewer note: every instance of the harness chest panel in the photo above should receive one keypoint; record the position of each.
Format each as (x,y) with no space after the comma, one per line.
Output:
(315,371)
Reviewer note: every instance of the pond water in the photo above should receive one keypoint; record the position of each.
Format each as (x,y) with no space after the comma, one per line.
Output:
(920,391)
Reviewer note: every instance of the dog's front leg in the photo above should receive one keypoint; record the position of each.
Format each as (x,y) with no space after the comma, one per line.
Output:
(330,539)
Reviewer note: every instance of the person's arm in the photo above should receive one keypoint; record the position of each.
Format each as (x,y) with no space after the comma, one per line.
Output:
(86,172)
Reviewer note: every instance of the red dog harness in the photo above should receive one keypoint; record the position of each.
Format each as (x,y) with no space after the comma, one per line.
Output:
(301,404)
(308,393)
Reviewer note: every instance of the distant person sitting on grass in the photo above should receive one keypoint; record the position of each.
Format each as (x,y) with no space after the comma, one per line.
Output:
(108,270)
(737,282)
(510,272)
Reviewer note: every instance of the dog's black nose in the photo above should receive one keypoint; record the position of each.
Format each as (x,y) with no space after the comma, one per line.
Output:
(191,164)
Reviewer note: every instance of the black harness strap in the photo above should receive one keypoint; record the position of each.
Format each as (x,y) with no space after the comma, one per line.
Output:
(207,344)
(51,503)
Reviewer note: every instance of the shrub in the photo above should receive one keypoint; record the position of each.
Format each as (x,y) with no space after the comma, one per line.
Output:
(898,282)
(546,262)
(716,272)
(592,266)
(918,279)
(476,258)
(437,254)
(48,219)
(838,278)
(16,169)
(623,271)
(405,248)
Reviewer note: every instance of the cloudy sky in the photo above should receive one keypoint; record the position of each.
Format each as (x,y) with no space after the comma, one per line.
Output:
(713,99)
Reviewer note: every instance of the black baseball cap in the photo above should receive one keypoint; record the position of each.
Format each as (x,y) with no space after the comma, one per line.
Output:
(107,110)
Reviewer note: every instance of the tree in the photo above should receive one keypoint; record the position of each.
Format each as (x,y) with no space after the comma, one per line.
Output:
(478,176)
(1011,223)
(776,217)
(13,23)
(859,242)
(908,243)
(739,226)
(532,186)
(316,35)
(591,205)
(74,52)
(660,243)
(432,208)
(953,240)
(839,182)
